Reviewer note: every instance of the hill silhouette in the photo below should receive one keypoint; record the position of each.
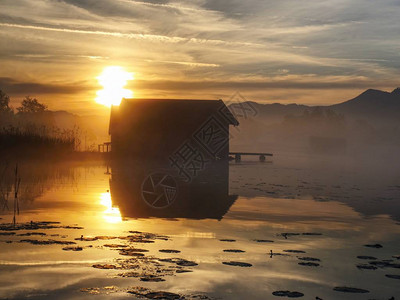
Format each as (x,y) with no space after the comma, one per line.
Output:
(370,120)
(373,104)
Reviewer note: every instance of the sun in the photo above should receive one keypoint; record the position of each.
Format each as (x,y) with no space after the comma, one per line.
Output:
(113,79)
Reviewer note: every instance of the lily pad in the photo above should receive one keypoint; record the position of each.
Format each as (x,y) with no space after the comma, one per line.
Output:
(186,263)
(377,246)
(105,266)
(86,239)
(264,241)
(346,289)
(294,251)
(29,226)
(72,248)
(311,233)
(366,257)
(115,246)
(288,294)
(134,250)
(151,278)
(393,276)
(102,237)
(163,296)
(169,251)
(130,274)
(237,264)
(308,264)
(278,254)
(309,258)
(366,267)
(46,242)
(32,233)
(183,271)
(140,240)
(72,227)
(148,235)
(130,252)
(179,262)
(384,264)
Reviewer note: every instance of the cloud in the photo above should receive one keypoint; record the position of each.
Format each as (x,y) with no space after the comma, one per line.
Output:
(167,5)
(14,87)
(204,85)
(206,46)
(185,63)
(138,36)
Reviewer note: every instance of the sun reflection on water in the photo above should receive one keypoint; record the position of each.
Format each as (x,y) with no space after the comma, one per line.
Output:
(111,214)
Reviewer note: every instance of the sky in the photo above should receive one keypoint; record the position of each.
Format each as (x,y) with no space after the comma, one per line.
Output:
(310,52)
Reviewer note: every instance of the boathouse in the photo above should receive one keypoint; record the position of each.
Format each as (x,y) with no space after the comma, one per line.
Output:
(165,129)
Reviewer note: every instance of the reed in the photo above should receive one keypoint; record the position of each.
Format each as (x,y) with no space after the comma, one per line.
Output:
(37,138)
(4,188)
(17,182)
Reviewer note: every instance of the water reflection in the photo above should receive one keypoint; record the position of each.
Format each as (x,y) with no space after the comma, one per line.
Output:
(147,189)
(111,213)
(35,179)
(207,225)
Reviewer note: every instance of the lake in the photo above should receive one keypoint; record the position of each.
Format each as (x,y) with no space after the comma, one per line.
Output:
(301,226)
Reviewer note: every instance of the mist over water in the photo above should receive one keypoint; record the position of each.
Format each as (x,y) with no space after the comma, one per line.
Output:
(326,207)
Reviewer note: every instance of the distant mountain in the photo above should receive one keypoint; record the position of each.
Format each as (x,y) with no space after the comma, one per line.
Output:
(373,104)
(277,110)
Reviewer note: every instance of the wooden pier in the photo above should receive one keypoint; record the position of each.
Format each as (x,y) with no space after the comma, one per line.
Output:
(238,155)
(106,148)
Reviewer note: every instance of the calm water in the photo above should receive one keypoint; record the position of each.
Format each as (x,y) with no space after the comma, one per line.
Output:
(325,210)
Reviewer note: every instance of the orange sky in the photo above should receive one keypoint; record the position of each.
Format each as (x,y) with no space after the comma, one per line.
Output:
(312,53)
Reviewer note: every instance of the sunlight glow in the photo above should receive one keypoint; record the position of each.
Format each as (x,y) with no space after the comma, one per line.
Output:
(113,79)
(111,214)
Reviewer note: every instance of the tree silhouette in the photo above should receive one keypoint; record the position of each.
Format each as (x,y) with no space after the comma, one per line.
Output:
(4,103)
(31,105)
